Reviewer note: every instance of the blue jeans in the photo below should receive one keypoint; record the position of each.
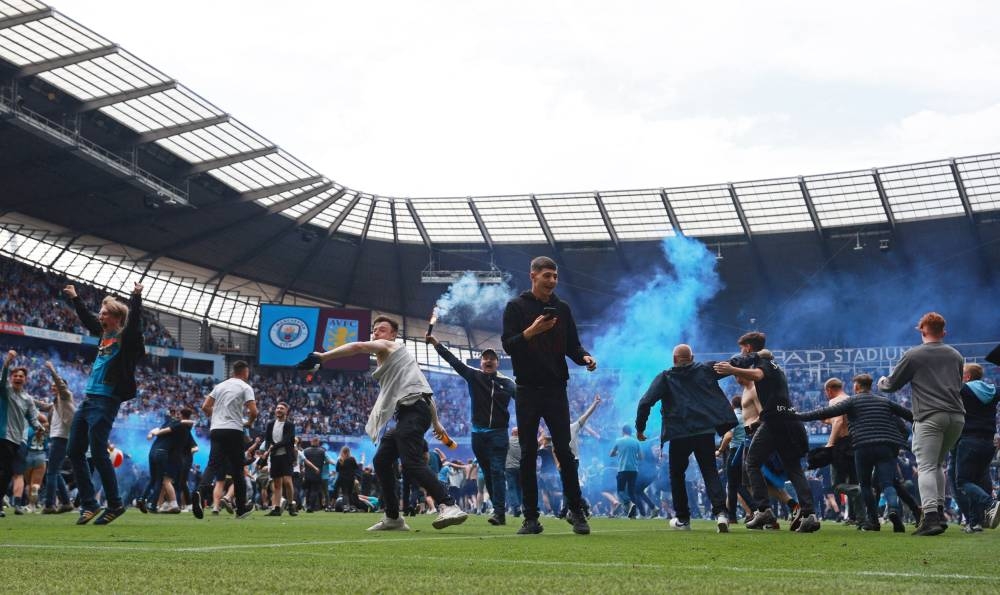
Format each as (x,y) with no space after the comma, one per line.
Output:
(490,448)
(881,459)
(513,487)
(157,468)
(972,476)
(53,478)
(91,428)
(626,488)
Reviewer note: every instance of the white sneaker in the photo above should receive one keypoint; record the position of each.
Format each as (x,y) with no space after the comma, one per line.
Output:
(448,516)
(387,524)
(722,523)
(680,525)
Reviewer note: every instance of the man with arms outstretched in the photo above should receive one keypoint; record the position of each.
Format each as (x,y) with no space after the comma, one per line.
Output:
(111,381)
(405,394)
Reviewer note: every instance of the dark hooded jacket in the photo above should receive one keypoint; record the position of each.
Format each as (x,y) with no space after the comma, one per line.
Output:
(691,402)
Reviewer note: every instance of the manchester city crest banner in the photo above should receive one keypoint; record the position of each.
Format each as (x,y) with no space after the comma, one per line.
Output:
(287,334)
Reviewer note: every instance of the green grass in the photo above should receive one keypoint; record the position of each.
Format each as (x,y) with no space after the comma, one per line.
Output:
(332,553)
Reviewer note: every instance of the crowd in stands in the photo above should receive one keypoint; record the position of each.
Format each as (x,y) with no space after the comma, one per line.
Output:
(32,297)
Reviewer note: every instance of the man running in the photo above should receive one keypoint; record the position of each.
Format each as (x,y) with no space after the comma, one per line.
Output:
(406,395)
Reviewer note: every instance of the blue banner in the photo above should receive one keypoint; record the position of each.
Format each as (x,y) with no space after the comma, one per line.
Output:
(287,334)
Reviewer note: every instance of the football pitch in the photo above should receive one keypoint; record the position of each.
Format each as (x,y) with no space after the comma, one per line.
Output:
(332,553)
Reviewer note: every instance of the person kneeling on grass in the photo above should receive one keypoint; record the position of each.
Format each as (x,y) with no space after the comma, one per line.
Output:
(405,394)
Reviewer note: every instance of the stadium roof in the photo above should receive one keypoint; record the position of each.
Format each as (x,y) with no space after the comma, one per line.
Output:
(228,199)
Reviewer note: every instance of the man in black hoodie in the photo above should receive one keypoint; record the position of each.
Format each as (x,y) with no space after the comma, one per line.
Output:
(539,333)
(111,381)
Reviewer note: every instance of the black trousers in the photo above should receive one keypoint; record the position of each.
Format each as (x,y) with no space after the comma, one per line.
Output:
(788,439)
(551,404)
(315,487)
(227,457)
(405,443)
(703,447)
(8,452)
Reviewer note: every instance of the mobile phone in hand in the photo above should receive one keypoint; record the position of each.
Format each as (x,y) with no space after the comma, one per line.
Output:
(549,312)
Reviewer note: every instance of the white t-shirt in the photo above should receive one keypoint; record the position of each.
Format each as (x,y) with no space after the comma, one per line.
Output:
(278,432)
(230,396)
(574,438)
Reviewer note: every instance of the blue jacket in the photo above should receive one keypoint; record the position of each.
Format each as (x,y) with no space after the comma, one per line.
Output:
(691,402)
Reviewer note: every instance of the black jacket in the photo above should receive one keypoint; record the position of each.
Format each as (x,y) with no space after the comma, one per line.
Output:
(120,371)
(287,439)
(871,419)
(490,393)
(690,402)
(541,362)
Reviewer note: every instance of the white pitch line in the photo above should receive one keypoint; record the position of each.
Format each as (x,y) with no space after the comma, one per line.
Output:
(252,546)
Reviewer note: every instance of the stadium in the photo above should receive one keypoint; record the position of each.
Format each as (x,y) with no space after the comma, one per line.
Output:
(113,172)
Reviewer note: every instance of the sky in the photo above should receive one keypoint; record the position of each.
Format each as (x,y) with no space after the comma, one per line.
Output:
(434,98)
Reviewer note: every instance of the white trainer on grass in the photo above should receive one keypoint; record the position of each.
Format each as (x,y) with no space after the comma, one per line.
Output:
(449,515)
(387,524)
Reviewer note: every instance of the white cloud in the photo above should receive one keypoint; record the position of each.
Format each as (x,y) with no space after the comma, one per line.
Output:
(452,98)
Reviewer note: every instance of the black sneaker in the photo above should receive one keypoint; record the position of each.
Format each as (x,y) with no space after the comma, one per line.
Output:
(276,511)
(196,507)
(86,515)
(796,519)
(110,514)
(897,523)
(497,519)
(226,504)
(579,522)
(530,527)
(870,526)
(930,525)
(141,505)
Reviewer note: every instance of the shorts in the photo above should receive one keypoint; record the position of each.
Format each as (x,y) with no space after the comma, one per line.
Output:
(280,465)
(549,482)
(20,460)
(35,458)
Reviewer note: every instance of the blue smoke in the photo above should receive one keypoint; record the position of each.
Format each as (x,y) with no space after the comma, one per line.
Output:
(643,328)
(467,299)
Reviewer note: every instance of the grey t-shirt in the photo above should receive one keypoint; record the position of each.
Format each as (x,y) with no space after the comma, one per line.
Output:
(513,454)
(934,371)
(230,396)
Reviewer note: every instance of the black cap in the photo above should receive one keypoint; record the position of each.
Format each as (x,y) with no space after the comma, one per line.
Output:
(489,351)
